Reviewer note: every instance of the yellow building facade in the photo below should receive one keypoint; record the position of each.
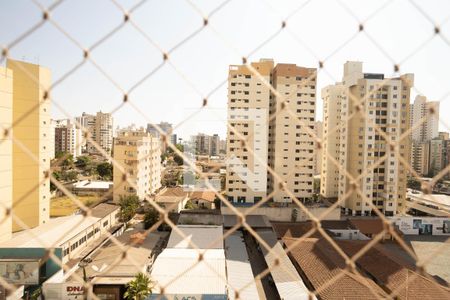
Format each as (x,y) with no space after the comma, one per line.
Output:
(5,154)
(31,149)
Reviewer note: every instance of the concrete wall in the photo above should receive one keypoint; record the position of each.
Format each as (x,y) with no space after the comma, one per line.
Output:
(422,225)
(285,213)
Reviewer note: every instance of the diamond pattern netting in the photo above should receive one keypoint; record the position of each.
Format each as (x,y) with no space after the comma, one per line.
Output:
(207,23)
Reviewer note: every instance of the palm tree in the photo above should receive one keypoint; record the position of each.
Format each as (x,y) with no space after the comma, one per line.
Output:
(139,288)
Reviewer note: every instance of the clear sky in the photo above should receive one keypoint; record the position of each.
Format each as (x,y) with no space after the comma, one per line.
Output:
(235,30)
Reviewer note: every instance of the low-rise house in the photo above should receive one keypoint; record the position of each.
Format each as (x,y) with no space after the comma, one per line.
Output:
(203,199)
(172,199)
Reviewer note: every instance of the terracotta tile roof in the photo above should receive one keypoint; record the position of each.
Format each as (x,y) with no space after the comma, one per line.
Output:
(392,275)
(368,226)
(320,263)
(171,195)
(175,191)
(204,195)
(299,229)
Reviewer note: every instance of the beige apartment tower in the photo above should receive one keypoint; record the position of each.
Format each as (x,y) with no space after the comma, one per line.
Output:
(274,136)
(32,129)
(6,148)
(354,109)
(100,129)
(291,144)
(139,154)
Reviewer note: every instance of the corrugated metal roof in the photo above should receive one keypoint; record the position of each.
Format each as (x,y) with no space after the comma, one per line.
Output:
(239,270)
(178,271)
(288,282)
(54,233)
(203,236)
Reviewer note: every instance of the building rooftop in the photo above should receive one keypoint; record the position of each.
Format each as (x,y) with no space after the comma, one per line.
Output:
(321,263)
(368,225)
(392,275)
(58,230)
(51,234)
(239,270)
(103,209)
(286,278)
(89,184)
(203,195)
(255,221)
(107,264)
(178,269)
(171,195)
(203,236)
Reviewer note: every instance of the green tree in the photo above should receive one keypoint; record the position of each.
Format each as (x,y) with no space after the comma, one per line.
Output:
(82,162)
(67,163)
(139,288)
(69,175)
(414,184)
(217,203)
(189,205)
(177,158)
(57,176)
(105,170)
(128,207)
(151,217)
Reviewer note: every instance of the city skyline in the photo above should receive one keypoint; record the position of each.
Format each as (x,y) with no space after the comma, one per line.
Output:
(207,66)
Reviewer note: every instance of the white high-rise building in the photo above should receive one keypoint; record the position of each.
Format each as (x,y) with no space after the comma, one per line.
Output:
(424,119)
(100,129)
(280,138)
(355,111)
(68,137)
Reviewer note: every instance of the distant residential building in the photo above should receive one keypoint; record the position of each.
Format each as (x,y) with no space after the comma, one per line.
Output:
(68,138)
(139,154)
(32,130)
(6,153)
(203,144)
(318,127)
(283,140)
(100,129)
(356,145)
(437,156)
(424,119)
(420,157)
(223,146)
(166,129)
(215,145)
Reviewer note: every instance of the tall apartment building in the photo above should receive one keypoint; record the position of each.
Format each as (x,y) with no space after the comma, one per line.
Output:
(139,153)
(100,128)
(6,158)
(277,137)
(362,102)
(429,122)
(333,98)
(420,157)
(291,147)
(215,145)
(318,126)
(424,123)
(202,143)
(68,138)
(32,128)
